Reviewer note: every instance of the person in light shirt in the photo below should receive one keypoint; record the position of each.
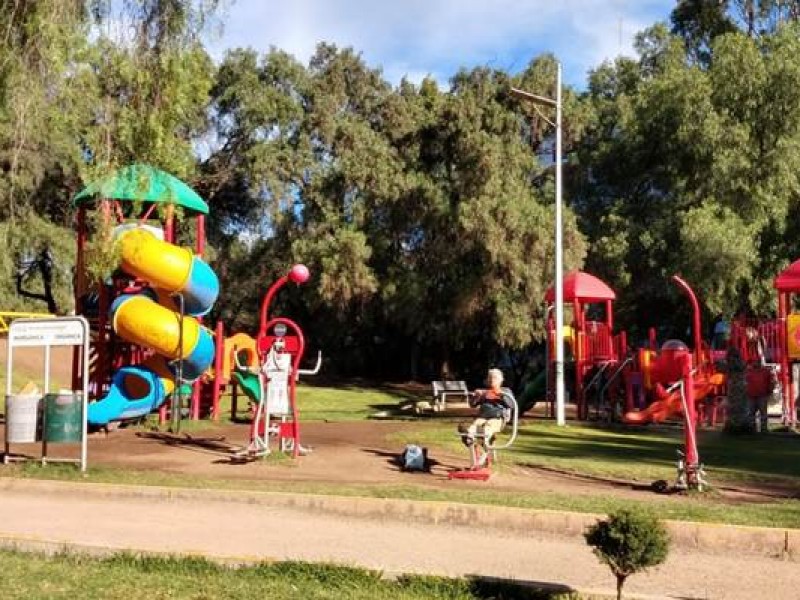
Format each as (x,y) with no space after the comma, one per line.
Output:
(494,409)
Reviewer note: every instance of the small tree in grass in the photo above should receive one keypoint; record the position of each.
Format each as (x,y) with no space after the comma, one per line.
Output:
(628,542)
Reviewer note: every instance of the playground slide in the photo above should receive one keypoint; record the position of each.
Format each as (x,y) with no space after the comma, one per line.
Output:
(668,406)
(151,319)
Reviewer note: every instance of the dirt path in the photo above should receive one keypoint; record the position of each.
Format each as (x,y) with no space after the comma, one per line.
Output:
(245,530)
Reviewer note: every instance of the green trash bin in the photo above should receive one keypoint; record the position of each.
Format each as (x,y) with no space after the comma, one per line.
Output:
(62,417)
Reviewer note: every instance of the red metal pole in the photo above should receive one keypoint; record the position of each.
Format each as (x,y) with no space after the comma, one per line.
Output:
(784,302)
(105,360)
(169,225)
(698,344)
(293,391)
(690,418)
(628,390)
(622,354)
(201,234)
(80,290)
(195,401)
(578,357)
(610,315)
(550,345)
(218,362)
(262,330)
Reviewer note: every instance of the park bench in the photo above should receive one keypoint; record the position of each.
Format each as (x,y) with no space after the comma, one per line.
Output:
(444,389)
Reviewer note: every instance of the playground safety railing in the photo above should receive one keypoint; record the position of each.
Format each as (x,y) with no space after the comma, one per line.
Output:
(598,342)
(617,372)
(767,334)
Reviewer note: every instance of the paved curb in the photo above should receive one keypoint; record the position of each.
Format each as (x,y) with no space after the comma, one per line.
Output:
(781,543)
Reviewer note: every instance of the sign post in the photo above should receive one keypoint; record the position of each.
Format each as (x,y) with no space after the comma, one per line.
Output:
(47,333)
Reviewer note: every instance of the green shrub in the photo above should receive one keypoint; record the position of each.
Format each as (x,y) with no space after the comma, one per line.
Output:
(628,542)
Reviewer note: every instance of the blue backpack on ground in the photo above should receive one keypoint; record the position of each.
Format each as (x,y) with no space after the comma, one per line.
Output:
(414,458)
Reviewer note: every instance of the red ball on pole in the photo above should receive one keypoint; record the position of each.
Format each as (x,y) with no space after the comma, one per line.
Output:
(299,274)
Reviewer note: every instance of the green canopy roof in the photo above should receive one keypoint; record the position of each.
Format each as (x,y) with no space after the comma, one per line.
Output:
(146,184)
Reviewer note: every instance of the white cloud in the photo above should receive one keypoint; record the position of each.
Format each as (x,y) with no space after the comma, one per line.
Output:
(436,37)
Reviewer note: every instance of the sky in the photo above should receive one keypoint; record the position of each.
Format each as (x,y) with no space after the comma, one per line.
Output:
(418,38)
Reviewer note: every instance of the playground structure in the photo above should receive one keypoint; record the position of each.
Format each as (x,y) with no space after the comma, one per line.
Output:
(271,383)
(594,348)
(623,382)
(238,350)
(642,386)
(774,343)
(148,341)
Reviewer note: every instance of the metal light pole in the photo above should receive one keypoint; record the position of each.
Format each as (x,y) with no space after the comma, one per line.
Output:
(559,266)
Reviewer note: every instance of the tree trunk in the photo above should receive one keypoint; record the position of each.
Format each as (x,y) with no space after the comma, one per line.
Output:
(750,17)
(444,371)
(738,414)
(620,583)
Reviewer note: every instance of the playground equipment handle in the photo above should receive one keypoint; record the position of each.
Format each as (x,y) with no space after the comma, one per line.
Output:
(316,368)
(515,426)
(596,379)
(614,376)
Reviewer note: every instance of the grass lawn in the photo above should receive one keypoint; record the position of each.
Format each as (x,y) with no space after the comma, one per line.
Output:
(333,404)
(346,403)
(33,576)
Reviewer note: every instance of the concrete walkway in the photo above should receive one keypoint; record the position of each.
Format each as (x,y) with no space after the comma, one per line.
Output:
(245,531)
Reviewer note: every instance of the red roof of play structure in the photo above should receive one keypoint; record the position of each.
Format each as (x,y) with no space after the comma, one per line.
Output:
(583,287)
(789,279)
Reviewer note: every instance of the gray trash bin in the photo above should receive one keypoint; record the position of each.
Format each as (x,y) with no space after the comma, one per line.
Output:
(22,418)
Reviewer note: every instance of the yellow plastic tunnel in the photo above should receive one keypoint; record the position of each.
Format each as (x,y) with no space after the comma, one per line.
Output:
(170,268)
(141,320)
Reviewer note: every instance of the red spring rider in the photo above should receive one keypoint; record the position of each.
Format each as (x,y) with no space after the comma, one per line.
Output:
(281,345)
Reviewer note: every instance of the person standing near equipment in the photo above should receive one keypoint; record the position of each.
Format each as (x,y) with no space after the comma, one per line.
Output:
(761,383)
(494,409)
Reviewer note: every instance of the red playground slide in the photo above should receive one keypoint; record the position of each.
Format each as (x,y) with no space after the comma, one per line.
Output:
(670,405)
